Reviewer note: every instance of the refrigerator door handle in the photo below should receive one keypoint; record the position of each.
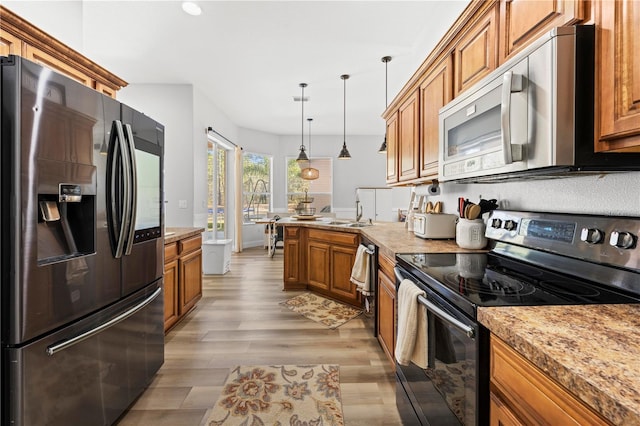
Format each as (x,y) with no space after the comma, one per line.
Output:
(119,204)
(133,187)
(65,344)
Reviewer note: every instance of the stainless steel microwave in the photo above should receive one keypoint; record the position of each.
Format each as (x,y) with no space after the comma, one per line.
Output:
(532,116)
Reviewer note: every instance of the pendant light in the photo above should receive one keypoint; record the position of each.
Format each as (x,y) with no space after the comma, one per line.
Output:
(303,155)
(386,60)
(309,173)
(344,153)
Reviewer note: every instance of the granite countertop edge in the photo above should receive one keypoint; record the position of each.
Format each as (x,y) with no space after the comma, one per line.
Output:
(591,350)
(180,233)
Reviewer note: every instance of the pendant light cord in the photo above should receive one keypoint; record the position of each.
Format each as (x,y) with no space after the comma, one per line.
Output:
(302,101)
(344,109)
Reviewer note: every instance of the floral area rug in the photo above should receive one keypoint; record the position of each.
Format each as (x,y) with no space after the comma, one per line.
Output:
(279,395)
(325,311)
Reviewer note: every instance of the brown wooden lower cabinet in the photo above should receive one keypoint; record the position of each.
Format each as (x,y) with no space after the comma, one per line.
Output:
(321,260)
(521,394)
(182,278)
(386,304)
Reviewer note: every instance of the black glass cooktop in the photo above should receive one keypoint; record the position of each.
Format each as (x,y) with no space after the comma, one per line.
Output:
(477,279)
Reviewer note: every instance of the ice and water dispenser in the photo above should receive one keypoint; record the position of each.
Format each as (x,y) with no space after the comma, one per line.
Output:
(66,224)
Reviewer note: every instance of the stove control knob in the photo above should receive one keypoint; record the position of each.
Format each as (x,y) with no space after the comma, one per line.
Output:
(510,225)
(496,223)
(591,235)
(623,240)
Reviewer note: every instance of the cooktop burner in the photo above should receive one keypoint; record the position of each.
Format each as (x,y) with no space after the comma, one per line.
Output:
(470,280)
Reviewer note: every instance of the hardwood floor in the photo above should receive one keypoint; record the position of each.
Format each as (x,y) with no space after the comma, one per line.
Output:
(239,322)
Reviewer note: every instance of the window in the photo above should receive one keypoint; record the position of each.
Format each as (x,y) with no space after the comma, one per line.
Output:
(319,190)
(217,182)
(256,186)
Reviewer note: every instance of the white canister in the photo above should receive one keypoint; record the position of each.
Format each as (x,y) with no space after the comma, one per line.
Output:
(470,233)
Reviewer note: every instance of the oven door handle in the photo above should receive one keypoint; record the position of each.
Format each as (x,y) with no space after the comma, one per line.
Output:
(469,331)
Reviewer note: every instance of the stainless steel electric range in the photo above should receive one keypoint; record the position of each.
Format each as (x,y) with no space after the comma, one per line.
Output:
(534,259)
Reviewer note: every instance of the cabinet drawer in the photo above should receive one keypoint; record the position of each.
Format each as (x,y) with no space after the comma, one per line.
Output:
(334,237)
(386,265)
(170,252)
(189,244)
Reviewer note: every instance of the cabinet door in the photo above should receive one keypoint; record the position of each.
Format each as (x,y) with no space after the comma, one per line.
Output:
(386,314)
(618,68)
(191,280)
(500,414)
(435,92)
(477,51)
(318,265)
(105,90)
(408,138)
(342,260)
(171,295)
(46,60)
(522,21)
(291,261)
(10,44)
(392,149)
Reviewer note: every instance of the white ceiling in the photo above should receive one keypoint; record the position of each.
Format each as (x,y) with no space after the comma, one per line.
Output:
(249,57)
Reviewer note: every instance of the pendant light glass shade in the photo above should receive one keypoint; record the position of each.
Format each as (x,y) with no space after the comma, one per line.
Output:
(309,173)
(302,156)
(344,152)
(386,60)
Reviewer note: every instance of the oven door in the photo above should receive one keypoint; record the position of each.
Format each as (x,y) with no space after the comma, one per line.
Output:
(453,389)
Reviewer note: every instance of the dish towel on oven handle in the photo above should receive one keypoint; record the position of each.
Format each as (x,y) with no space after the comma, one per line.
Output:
(411,343)
(360,273)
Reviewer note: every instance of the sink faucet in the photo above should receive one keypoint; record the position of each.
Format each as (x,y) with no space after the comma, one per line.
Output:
(358,211)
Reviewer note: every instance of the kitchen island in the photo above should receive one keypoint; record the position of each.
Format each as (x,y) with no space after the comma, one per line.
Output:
(319,255)
(589,350)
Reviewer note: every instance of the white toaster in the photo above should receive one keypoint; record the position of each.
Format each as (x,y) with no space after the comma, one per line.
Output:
(435,225)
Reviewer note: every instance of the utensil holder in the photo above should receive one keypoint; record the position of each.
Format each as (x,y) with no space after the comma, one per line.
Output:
(470,233)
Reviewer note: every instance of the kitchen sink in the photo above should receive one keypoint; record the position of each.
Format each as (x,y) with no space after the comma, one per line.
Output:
(358,225)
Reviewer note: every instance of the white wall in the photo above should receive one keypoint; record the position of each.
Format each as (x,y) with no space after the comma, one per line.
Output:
(171,105)
(365,168)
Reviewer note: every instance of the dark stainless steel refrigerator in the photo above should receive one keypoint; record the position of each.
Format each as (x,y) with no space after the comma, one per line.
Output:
(81,305)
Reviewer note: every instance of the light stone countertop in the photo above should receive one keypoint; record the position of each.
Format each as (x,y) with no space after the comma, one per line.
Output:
(177,234)
(591,350)
(391,237)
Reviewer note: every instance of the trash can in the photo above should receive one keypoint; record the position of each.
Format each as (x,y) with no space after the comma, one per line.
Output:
(216,256)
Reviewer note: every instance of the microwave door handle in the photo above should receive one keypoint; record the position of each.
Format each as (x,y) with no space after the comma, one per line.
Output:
(134,187)
(510,83)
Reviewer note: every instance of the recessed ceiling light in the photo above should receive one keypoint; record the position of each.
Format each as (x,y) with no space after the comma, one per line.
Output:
(191,8)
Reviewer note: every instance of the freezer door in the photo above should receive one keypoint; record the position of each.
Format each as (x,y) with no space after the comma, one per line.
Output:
(58,381)
(58,267)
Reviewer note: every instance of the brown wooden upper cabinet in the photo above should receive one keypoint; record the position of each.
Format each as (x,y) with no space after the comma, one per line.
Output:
(392,151)
(522,21)
(487,33)
(21,38)
(435,92)
(476,52)
(409,138)
(618,75)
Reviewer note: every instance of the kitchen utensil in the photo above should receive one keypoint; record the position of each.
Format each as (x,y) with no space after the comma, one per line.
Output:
(474,212)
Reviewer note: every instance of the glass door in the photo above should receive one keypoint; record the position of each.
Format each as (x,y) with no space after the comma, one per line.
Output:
(217,189)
